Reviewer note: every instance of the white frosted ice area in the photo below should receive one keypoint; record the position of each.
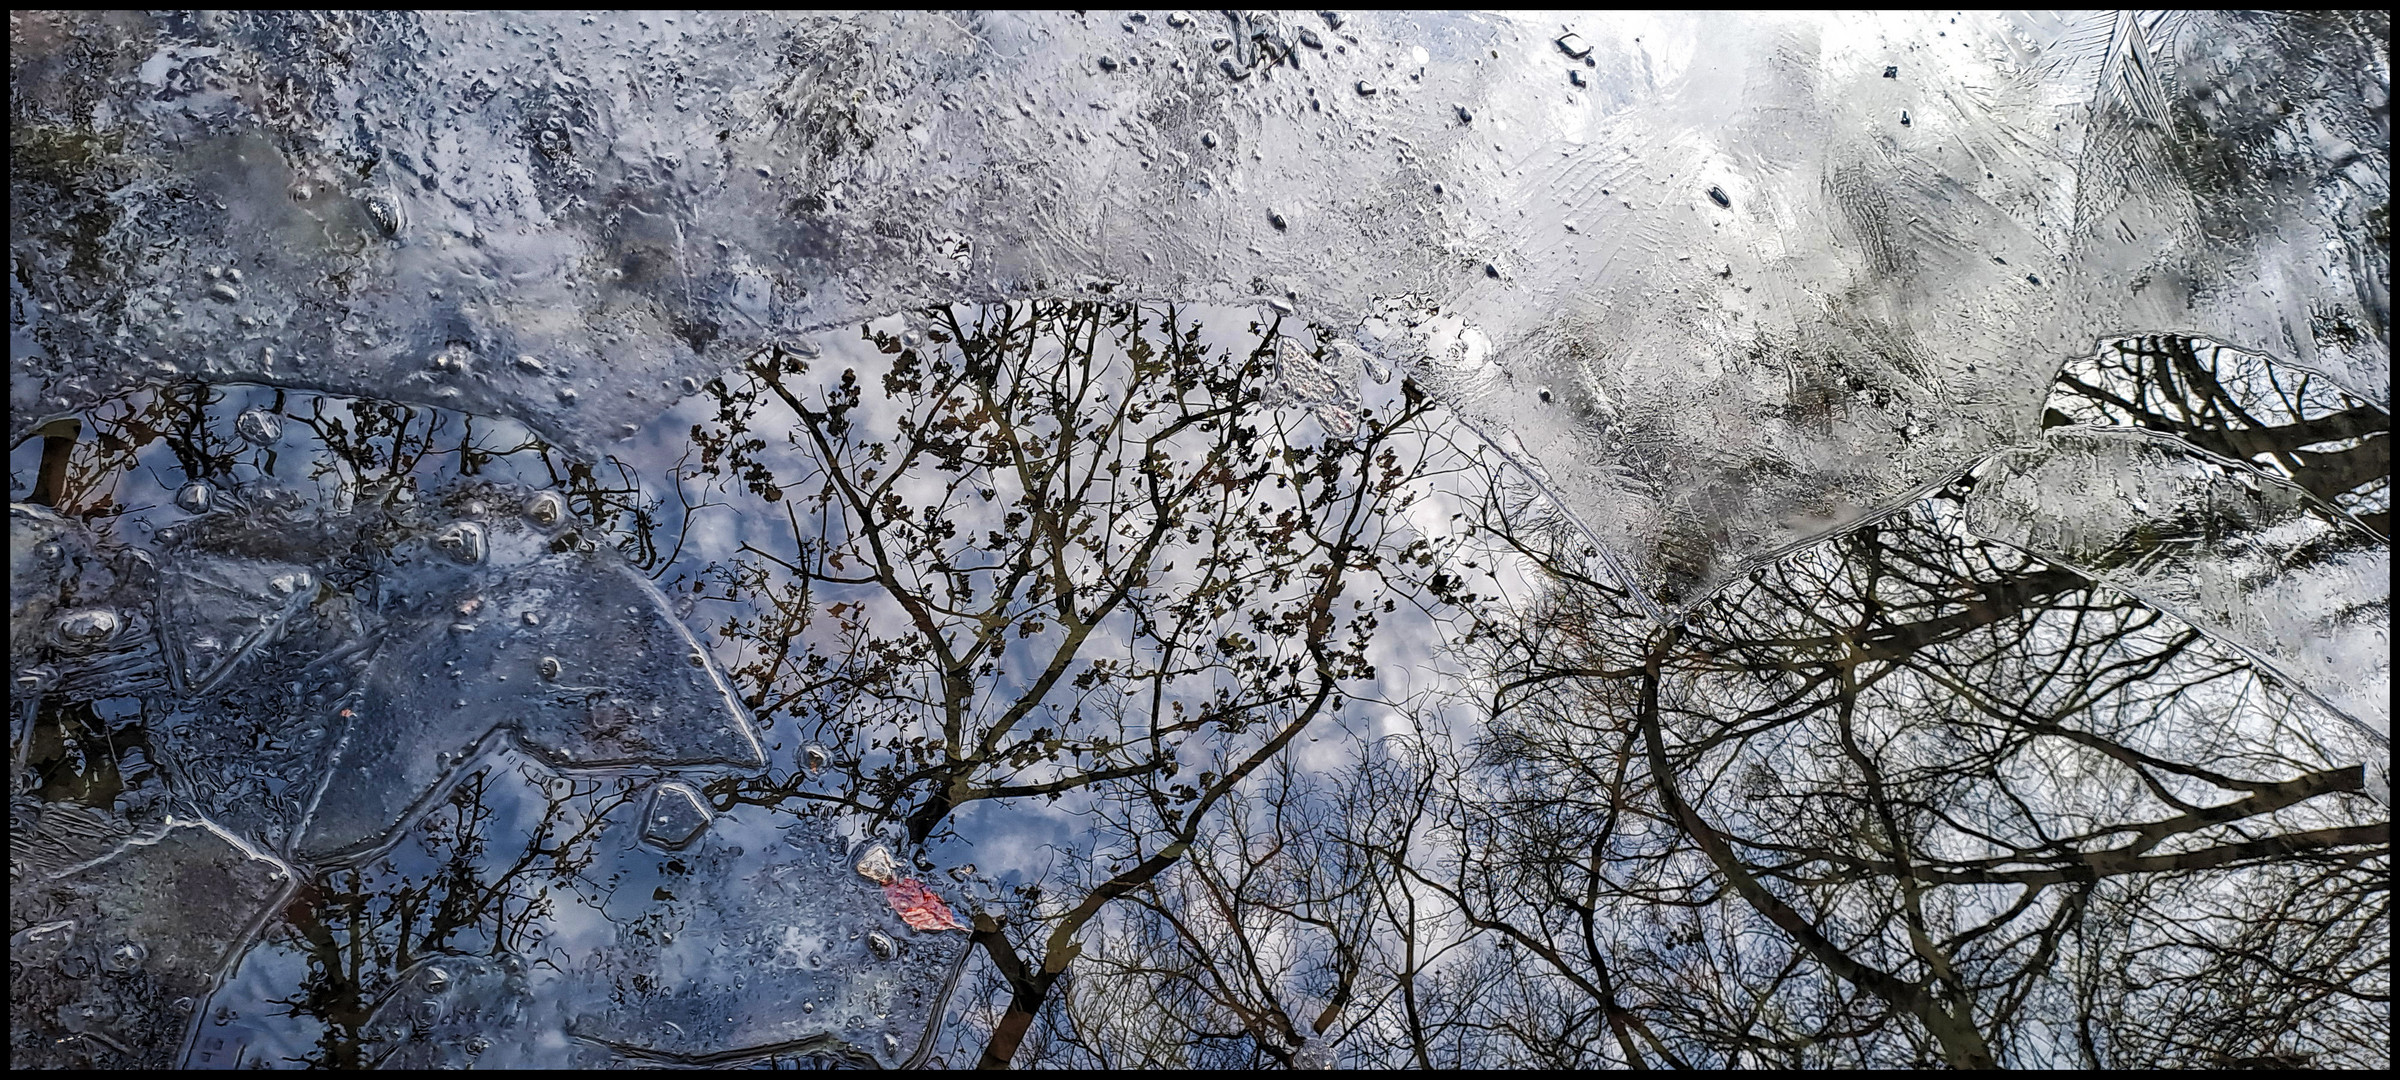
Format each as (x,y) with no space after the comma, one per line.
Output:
(1740,277)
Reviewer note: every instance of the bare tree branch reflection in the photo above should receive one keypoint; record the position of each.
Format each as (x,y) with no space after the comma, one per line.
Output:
(2281,418)
(1911,799)
(1059,551)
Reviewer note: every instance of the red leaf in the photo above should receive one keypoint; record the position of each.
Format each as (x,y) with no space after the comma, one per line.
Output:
(918,906)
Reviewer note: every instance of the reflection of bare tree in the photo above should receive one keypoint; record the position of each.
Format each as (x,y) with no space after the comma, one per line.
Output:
(83,459)
(473,891)
(2242,406)
(1269,936)
(1058,551)
(1910,799)
(185,431)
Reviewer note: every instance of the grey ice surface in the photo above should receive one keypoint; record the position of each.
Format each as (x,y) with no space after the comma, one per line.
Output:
(497,624)
(752,940)
(1726,282)
(379,615)
(108,919)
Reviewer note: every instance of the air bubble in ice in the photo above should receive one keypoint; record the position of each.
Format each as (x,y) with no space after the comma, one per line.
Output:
(545,510)
(383,210)
(196,497)
(127,956)
(675,817)
(1208,139)
(1108,63)
(1717,195)
(815,758)
(1891,71)
(883,947)
(1309,38)
(549,667)
(224,292)
(462,541)
(451,361)
(1573,45)
(1364,89)
(260,426)
(89,626)
(1277,219)
(437,980)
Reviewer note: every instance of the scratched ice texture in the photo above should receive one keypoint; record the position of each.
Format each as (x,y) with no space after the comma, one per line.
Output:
(1719,285)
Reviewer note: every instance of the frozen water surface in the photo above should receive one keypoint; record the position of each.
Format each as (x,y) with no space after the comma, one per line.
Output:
(488,567)
(547,216)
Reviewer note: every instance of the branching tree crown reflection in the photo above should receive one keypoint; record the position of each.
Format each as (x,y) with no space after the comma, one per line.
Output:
(1060,551)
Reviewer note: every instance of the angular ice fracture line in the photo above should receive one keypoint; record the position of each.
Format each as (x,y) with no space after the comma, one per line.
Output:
(2288,670)
(1608,555)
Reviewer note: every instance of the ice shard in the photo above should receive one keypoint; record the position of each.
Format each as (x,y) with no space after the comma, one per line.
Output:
(2251,558)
